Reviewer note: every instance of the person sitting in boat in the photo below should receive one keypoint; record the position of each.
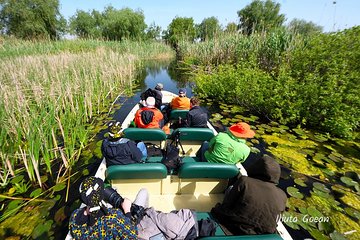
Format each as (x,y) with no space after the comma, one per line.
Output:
(149,116)
(95,220)
(196,117)
(156,93)
(180,102)
(254,203)
(127,220)
(228,147)
(120,151)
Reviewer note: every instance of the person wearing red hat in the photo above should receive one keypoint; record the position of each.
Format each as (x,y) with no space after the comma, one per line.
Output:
(230,146)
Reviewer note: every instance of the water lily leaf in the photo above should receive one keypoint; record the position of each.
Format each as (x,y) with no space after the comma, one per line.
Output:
(36,193)
(320,193)
(255,141)
(326,227)
(318,235)
(294,192)
(255,150)
(60,215)
(41,229)
(352,212)
(290,220)
(321,187)
(17,179)
(59,187)
(85,172)
(300,182)
(337,236)
(314,212)
(320,137)
(43,178)
(348,181)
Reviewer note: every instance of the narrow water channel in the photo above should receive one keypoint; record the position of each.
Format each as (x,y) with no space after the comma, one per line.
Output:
(327,193)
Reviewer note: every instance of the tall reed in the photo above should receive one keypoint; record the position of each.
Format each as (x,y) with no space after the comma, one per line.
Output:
(47,95)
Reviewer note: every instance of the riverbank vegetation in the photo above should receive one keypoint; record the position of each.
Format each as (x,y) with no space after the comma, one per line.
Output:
(309,82)
(51,94)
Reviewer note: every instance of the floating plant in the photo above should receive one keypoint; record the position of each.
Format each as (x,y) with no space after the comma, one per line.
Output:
(294,192)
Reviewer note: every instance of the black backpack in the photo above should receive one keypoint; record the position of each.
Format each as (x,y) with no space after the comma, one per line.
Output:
(171,158)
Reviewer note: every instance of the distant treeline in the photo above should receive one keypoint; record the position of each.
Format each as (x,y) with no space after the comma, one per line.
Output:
(42,20)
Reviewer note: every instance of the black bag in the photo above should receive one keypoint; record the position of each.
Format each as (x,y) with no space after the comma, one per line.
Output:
(207,227)
(171,158)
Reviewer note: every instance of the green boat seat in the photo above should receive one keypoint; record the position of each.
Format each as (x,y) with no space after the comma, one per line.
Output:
(194,134)
(207,170)
(176,113)
(145,134)
(137,171)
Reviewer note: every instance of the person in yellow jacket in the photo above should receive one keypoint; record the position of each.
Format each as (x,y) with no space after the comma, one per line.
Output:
(180,102)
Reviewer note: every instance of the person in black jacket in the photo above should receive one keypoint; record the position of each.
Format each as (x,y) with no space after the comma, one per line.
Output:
(118,150)
(196,117)
(254,203)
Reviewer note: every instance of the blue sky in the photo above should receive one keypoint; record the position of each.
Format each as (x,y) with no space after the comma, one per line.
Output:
(343,14)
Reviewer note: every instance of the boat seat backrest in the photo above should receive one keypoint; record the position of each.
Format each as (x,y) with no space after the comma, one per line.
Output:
(207,170)
(194,134)
(176,113)
(137,171)
(145,134)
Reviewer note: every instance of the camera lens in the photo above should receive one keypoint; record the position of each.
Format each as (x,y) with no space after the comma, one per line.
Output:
(112,197)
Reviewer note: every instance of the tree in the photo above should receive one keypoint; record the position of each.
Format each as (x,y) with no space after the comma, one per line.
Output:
(260,16)
(208,28)
(180,28)
(86,25)
(153,31)
(123,24)
(303,27)
(231,27)
(32,19)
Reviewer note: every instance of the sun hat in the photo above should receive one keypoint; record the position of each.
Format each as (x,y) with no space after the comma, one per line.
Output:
(115,129)
(159,86)
(242,130)
(150,102)
(92,192)
(182,91)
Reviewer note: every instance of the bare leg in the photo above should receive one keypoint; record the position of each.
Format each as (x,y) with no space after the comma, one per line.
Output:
(142,198)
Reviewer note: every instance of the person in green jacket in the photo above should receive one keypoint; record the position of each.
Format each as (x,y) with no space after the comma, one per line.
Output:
(228,147)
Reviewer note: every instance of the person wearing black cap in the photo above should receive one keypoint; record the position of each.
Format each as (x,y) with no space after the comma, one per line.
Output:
(180,102)
(118,150)
(95,220)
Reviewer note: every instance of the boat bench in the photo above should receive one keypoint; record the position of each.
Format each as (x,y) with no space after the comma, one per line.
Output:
(176,113)
(128,179)
(189,140)
(147,135)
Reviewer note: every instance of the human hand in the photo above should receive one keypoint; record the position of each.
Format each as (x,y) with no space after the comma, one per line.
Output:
(126,205)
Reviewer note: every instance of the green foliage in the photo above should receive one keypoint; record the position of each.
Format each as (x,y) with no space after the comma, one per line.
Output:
(303,27)
(260,16)
(180,29)
(32,19)
(208,28)
(111,24)
(313,83)
(86,25)
(153,32)
(123,24)
(231,27)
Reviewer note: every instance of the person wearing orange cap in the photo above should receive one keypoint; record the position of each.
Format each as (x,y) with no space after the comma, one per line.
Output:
(230,146)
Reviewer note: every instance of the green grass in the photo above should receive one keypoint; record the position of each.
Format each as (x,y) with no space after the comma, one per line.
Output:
(49,90)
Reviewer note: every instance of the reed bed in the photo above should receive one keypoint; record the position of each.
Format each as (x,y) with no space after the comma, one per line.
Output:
(46,97)
(267,49)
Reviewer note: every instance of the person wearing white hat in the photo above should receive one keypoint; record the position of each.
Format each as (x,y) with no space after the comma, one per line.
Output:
(149,116)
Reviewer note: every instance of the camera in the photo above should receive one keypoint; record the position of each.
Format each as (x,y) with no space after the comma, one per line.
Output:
(114,198)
